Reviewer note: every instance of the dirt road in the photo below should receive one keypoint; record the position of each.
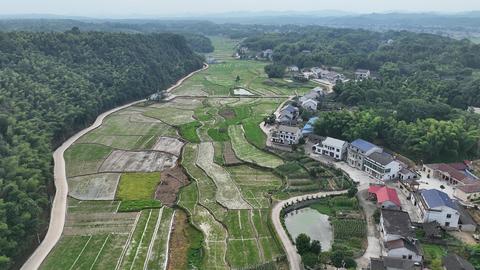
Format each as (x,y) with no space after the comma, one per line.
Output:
(59,205)
(294,259)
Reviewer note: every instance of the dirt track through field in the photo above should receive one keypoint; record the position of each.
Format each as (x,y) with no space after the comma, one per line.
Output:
(59,205)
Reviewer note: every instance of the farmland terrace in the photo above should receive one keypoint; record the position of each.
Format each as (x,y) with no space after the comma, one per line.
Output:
(196,164)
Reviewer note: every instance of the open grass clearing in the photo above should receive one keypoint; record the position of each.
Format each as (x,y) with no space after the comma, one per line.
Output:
(81,159)
(138,161)
(228,193)
(249,153)
(94,187)
(126,142)
(137,186)
(138,205)
(189,131)
(121,125)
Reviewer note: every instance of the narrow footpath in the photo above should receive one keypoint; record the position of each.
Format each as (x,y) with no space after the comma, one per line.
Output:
(59,205)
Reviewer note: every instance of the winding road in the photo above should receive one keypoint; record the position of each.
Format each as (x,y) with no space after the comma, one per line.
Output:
(59,205)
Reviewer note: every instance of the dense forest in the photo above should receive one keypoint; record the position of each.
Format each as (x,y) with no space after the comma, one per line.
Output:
(417,103)
(52,84)
(197,42)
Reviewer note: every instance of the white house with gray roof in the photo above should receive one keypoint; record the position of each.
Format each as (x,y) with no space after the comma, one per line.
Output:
(332,147)
(382,166)
(286,135)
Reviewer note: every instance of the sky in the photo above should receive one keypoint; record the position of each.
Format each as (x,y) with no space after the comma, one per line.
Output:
(129,8)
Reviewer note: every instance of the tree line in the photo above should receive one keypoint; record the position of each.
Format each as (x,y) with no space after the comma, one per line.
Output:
(53,84)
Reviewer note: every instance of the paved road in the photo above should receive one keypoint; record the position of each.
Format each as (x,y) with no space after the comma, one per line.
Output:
(59,205)
(294,259)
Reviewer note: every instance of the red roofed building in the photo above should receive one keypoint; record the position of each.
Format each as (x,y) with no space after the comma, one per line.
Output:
(386,197)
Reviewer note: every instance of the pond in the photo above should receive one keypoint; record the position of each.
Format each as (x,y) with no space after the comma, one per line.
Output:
(310,222)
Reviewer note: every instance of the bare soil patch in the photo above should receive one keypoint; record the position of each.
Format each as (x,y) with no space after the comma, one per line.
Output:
(171,182)
(229,155)
(140,161)
(177,255)
(94,187)
(169,145)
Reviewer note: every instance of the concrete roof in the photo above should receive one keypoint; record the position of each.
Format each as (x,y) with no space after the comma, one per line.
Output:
(455,262)
(333,142)
(391,263)
(381,157)
(288,129)
(397,223)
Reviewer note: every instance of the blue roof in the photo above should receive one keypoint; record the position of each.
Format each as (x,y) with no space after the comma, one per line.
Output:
(289,108)
(363,145)
(308,128)
(436,198)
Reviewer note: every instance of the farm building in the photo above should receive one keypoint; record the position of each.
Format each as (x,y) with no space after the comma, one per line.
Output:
(387,198)
(395,225)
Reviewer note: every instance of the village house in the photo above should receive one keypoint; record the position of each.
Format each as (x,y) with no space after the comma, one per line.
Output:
(467,193)
(406,174)
(455,262)
(286,135)
(390,263)
(288,115)
(293,69)
(267,54)
(435,205)
(404,249)
(465,221)
(451,173)
(358,150)
(395,225)
(331,147)
(362,74)
(382,166)
(315,94)
(310,105)
(387,198)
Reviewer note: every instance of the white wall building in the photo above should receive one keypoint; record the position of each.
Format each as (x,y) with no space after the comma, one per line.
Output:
(404,249)
(332,147)
(435,205)
(382,166)
(358,150)
(286,135)
(310,104)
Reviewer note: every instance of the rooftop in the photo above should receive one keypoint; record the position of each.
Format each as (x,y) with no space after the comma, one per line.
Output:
(391,263)
(334,142)
(402,243)
(363,145)
(470,188)
(435,198)
(397,223)
(288,129)
(455,262)
(384,194)
(381,157)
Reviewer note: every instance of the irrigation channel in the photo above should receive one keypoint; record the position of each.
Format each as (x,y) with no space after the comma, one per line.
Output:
(59,205)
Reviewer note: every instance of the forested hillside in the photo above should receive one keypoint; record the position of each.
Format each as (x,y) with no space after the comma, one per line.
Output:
(416,106)
(53,84)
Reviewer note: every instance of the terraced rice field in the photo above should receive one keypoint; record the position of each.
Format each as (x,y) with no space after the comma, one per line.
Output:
(249,153)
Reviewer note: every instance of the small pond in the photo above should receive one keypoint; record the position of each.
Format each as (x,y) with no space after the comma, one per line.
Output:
(310,222)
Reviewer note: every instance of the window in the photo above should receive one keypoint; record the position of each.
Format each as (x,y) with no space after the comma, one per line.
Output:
(447,224)
(409,257)
(338,150)
(404,256)
(449,215)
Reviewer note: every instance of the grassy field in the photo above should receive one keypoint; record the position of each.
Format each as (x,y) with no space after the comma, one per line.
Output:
(170,115)
(249,153)
(434,255)
(81,159)
(137,186)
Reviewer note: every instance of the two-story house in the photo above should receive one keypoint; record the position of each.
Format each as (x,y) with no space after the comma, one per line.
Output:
(286,135)
(332,147)
(404,249)
(395,224)
(382,166)
(436,205)
(362,74)
(358,150)
(288,115)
